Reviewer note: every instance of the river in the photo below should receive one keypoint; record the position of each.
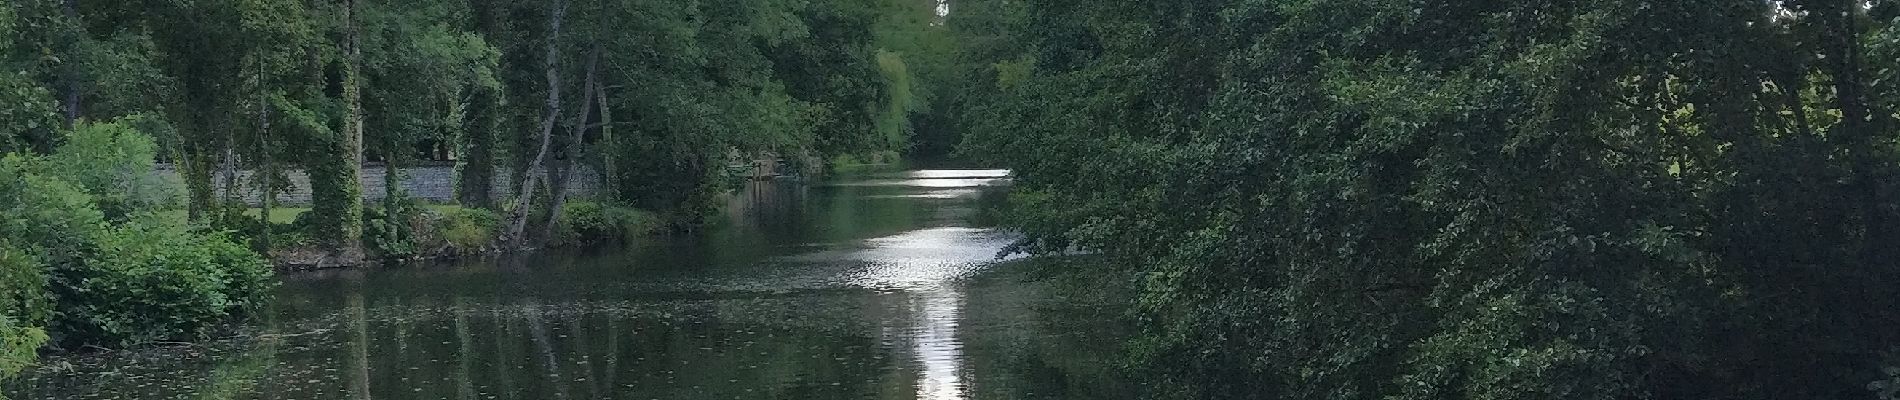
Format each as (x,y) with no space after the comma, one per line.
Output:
(880,285)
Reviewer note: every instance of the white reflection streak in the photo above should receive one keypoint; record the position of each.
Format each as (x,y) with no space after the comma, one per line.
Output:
(927,264)
(959,173)
(934,183)
(937,346)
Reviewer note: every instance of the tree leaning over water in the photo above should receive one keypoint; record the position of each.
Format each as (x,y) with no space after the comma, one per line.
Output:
(1474,199)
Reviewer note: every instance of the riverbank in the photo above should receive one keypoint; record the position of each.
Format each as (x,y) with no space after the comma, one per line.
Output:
(882,285)
(447,232)
(1019,329)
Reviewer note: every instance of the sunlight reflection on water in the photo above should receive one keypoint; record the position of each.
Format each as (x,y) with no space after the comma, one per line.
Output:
(958,193)
(928,265)
(937,346)
(959,173)
(923,259)
(941,179)
(932,183)
(809,293)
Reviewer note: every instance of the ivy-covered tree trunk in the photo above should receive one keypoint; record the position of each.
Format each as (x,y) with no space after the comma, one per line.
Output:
(353,87)
(475,185)
(336,179)
(476,180)
(393,235)
(195,167)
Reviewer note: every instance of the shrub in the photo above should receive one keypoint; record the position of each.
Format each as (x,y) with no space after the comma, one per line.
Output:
(581,220)
(23,306)
(467,228)
(18,347)
(135,278)
(300,231)
(392,235)
(586,222)
(23,296)
(113,163)
(149,280)
(48,216)
(248,277)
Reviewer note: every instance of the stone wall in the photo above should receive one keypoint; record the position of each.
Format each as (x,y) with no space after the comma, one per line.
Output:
(432,183)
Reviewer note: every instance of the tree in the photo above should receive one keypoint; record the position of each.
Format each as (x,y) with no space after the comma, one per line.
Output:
(1547,199)
(518,222)
(423,74)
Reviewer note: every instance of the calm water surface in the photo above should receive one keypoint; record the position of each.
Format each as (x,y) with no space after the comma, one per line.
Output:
(876,286)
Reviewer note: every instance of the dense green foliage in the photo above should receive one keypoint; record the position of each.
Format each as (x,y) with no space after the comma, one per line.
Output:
(596,223)
(466,228)
(1474,199)
(85,261)
(23,308)
(149,281)
(659,98)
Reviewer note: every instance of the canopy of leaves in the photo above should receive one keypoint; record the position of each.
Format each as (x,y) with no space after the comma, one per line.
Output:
(1480,199)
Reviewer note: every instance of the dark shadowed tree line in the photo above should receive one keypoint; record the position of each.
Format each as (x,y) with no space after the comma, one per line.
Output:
(1468,199)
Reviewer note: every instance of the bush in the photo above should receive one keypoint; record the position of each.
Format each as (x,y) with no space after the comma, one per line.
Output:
(49,217)
(23,306)
(586,222)
(23,298)
(467,228)
(113,163)
(150,280)
(18,347)
(392,235)
(247,276)
(300,231)
(582,220)
(90,280)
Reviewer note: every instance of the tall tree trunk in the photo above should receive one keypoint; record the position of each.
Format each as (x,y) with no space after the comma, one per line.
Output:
(576,147)
(195,166)
(265,169)
(1843,55)
(518,223)
(476,178)
(337,183)
(477,175)
(227,174)
(393,220)
(608,174)
(353,86)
